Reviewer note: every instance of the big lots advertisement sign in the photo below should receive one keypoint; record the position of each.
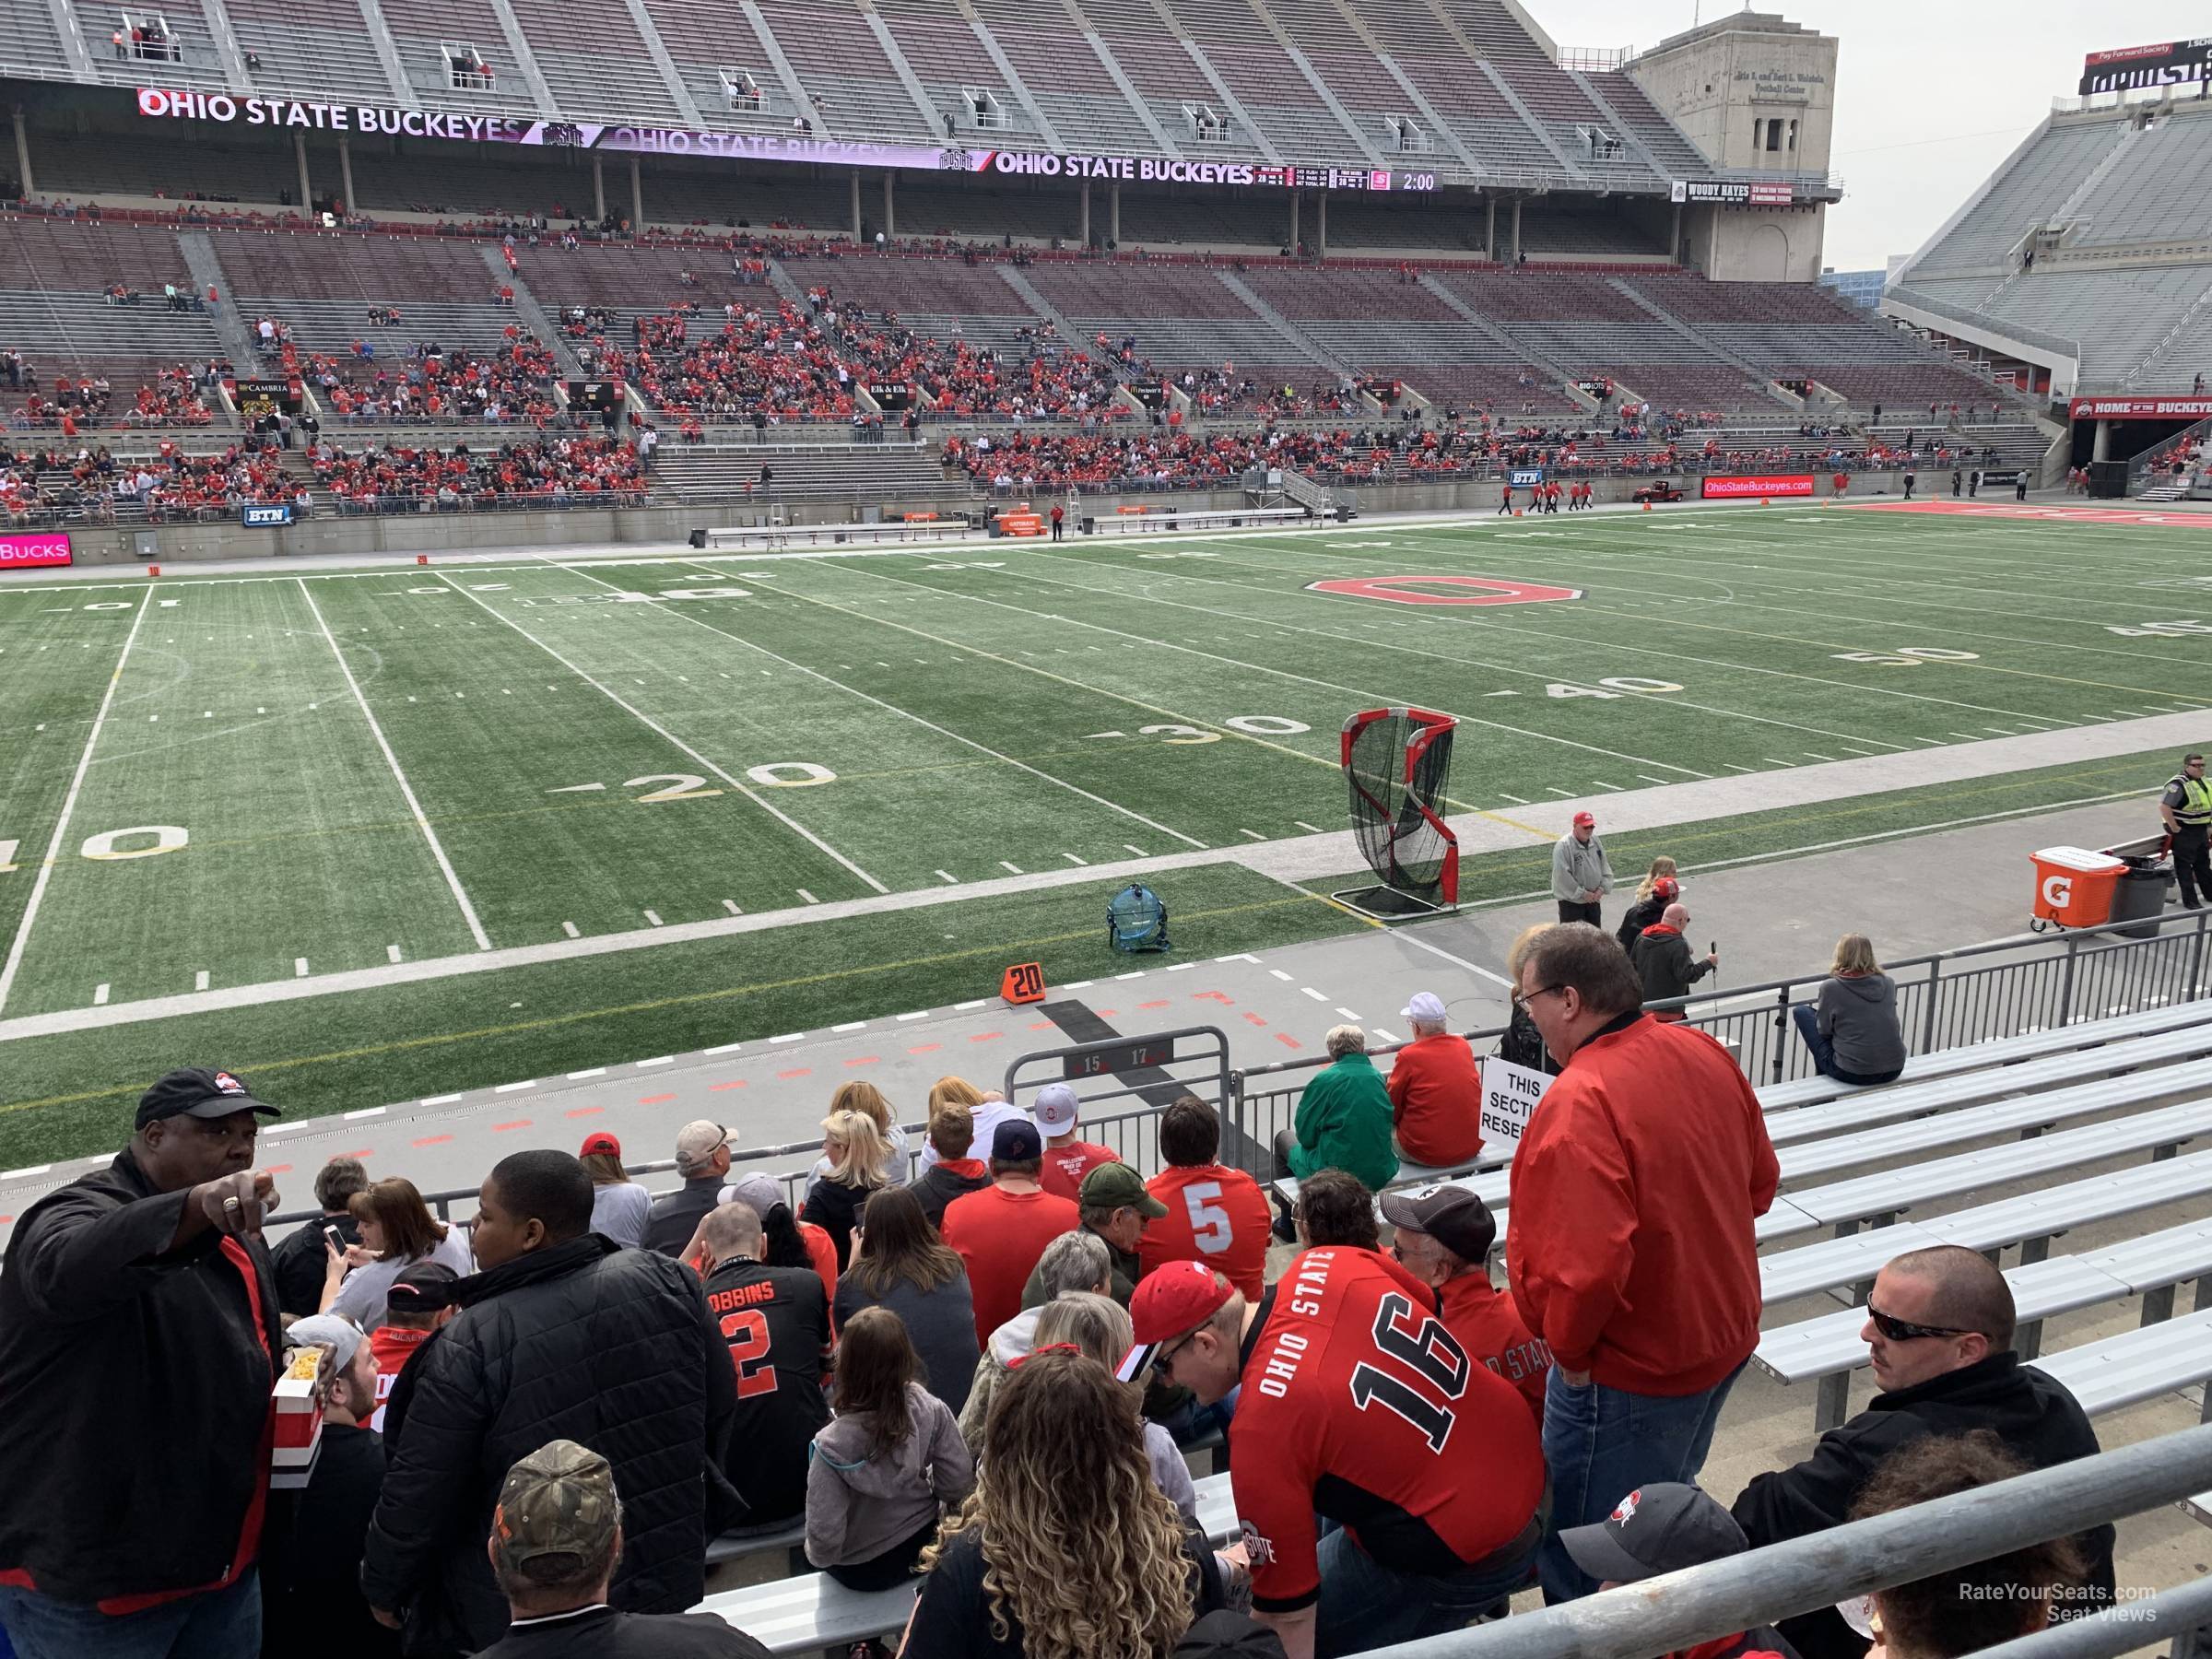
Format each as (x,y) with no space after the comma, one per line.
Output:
(38,548)
(168,103)
(1777,484)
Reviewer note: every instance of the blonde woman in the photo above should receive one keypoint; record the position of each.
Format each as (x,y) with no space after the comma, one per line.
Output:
(868,1097)
(1853,1028)
(1066,1549)
(859,1160)
(1658,890)
(1098,1326)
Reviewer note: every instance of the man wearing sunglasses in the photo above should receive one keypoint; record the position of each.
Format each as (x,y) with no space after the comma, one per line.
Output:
(1938,1333)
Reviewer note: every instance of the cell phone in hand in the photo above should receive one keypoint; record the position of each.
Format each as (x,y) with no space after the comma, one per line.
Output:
(331,1232)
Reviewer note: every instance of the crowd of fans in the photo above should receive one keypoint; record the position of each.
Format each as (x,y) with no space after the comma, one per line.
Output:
(976,1363)
(71,404)
(550,472)
(432,383)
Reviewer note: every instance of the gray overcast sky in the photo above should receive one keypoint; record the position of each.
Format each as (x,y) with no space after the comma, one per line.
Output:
(1929,98)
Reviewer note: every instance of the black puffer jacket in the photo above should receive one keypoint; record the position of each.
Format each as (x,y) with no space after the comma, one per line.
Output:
(2029,1410)
(583,1341)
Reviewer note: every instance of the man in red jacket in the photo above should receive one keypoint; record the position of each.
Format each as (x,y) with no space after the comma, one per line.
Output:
(1435,1090)
(1629,1247)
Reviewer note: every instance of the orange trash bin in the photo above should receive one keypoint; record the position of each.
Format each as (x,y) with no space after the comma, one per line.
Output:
(2074,886)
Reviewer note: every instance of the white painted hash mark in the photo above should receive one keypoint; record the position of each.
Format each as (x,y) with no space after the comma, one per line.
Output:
(298,967)
(99,994)
(569,928)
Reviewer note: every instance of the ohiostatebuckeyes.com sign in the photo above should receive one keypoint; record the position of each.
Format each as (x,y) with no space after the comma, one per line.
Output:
(1771,484)
(223,110)
(34,549)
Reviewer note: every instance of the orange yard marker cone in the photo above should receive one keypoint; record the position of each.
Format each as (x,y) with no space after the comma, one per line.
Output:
(422,558)
(153,570)
(1647,506)
(1023,982)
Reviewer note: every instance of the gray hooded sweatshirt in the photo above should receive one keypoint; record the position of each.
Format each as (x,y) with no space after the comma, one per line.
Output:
(863,1501)
(1859,1016)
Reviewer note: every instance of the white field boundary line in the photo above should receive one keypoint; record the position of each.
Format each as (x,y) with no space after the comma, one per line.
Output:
(891,708)
(1663,701)
(646,720)
(452,881)
(348,567)
(77,783)
(1304,858)
(1210,656)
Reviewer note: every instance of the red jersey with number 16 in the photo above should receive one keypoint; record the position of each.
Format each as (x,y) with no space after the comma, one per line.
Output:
(1360,1406)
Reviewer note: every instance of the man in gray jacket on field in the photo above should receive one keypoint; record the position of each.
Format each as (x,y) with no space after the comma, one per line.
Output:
(1581,874)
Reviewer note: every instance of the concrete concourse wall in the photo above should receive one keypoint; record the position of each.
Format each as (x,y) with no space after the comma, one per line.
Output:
(661,526)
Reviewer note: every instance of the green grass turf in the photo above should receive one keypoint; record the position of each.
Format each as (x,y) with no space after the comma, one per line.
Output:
(594,753)
(72,1094)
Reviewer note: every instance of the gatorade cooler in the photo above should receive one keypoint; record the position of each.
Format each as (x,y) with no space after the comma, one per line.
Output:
(2074,886)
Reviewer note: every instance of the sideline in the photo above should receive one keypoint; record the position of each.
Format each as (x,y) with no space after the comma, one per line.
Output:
(1299,859)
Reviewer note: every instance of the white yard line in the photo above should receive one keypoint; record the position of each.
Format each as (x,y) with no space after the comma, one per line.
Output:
(906,713)
(61,828)
(646,720)
(452,881)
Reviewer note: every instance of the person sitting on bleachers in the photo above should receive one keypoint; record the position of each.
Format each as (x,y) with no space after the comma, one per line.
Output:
(1214,1214)
(1113,1203)
(899,1262)
(555,1539)
(1435,1090)
(1098,1328)
(1442,1236)
(1335,1209)
(1986,1604)
(1002,1231)
(1852,1030)
(1939,1335)
(417,1303)
(777,1323)
(887,1465)
(1343,1119)
(1073,1534)
(1667,1527)
(300,1260)
(954,1174)
(1073,1261)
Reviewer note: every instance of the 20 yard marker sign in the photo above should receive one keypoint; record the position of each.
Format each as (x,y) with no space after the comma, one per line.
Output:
(1466,590)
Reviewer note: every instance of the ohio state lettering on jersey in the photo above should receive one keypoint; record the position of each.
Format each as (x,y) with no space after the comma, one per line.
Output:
(1359,1404)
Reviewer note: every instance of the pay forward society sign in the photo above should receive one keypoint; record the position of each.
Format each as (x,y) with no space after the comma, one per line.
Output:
(1509,1094)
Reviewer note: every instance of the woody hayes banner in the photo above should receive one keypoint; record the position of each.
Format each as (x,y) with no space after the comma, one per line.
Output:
(220,108)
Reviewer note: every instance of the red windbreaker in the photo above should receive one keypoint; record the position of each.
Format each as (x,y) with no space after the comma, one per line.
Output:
(1629,1243)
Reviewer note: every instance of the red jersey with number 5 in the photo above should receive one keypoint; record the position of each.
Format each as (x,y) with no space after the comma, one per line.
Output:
(1359,1404)
(776,1320)
(1216,1215)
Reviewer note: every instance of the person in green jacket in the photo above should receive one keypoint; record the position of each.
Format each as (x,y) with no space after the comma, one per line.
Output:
(1343,1117)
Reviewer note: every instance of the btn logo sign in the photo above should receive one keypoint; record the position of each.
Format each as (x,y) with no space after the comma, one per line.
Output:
(1442,590)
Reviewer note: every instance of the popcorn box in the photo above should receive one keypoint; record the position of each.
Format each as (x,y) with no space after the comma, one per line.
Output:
(297,1403)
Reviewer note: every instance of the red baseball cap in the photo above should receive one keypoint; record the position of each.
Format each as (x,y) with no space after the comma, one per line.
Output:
(1666,886)
(600,1142)
(1583,817)
(1172,1301)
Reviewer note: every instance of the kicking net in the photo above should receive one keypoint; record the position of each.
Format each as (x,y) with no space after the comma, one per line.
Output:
(1398,764)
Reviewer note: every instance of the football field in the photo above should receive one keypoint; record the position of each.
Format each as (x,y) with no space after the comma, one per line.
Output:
(223,781)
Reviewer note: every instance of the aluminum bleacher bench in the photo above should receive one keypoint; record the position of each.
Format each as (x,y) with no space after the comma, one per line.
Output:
(2139,1365)
(813,1611)
(1830,1347)
(2029,1220)
(1975,1056)
(1846,1204)
(1893,1101)
(735,1545)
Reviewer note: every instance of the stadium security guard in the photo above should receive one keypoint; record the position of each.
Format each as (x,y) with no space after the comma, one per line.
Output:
(2187,808)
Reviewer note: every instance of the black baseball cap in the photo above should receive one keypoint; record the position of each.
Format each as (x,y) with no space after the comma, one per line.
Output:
(1016,1141)
(1453,1216)
(1663,1527)
(421,1288)
(196,1092)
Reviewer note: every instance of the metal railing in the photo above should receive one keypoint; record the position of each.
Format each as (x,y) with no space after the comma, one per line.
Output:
(1948,999)
(1681,1609)
(1974,994)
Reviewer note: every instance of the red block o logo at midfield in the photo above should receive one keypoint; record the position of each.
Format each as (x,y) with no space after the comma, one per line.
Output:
(1404,590)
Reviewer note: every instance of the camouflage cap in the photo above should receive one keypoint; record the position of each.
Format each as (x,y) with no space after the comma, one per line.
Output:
(560,1500)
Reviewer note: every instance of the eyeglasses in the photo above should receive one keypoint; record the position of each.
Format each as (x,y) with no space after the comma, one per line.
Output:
(1899,1330)
(1522,999)
(1164,1362)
